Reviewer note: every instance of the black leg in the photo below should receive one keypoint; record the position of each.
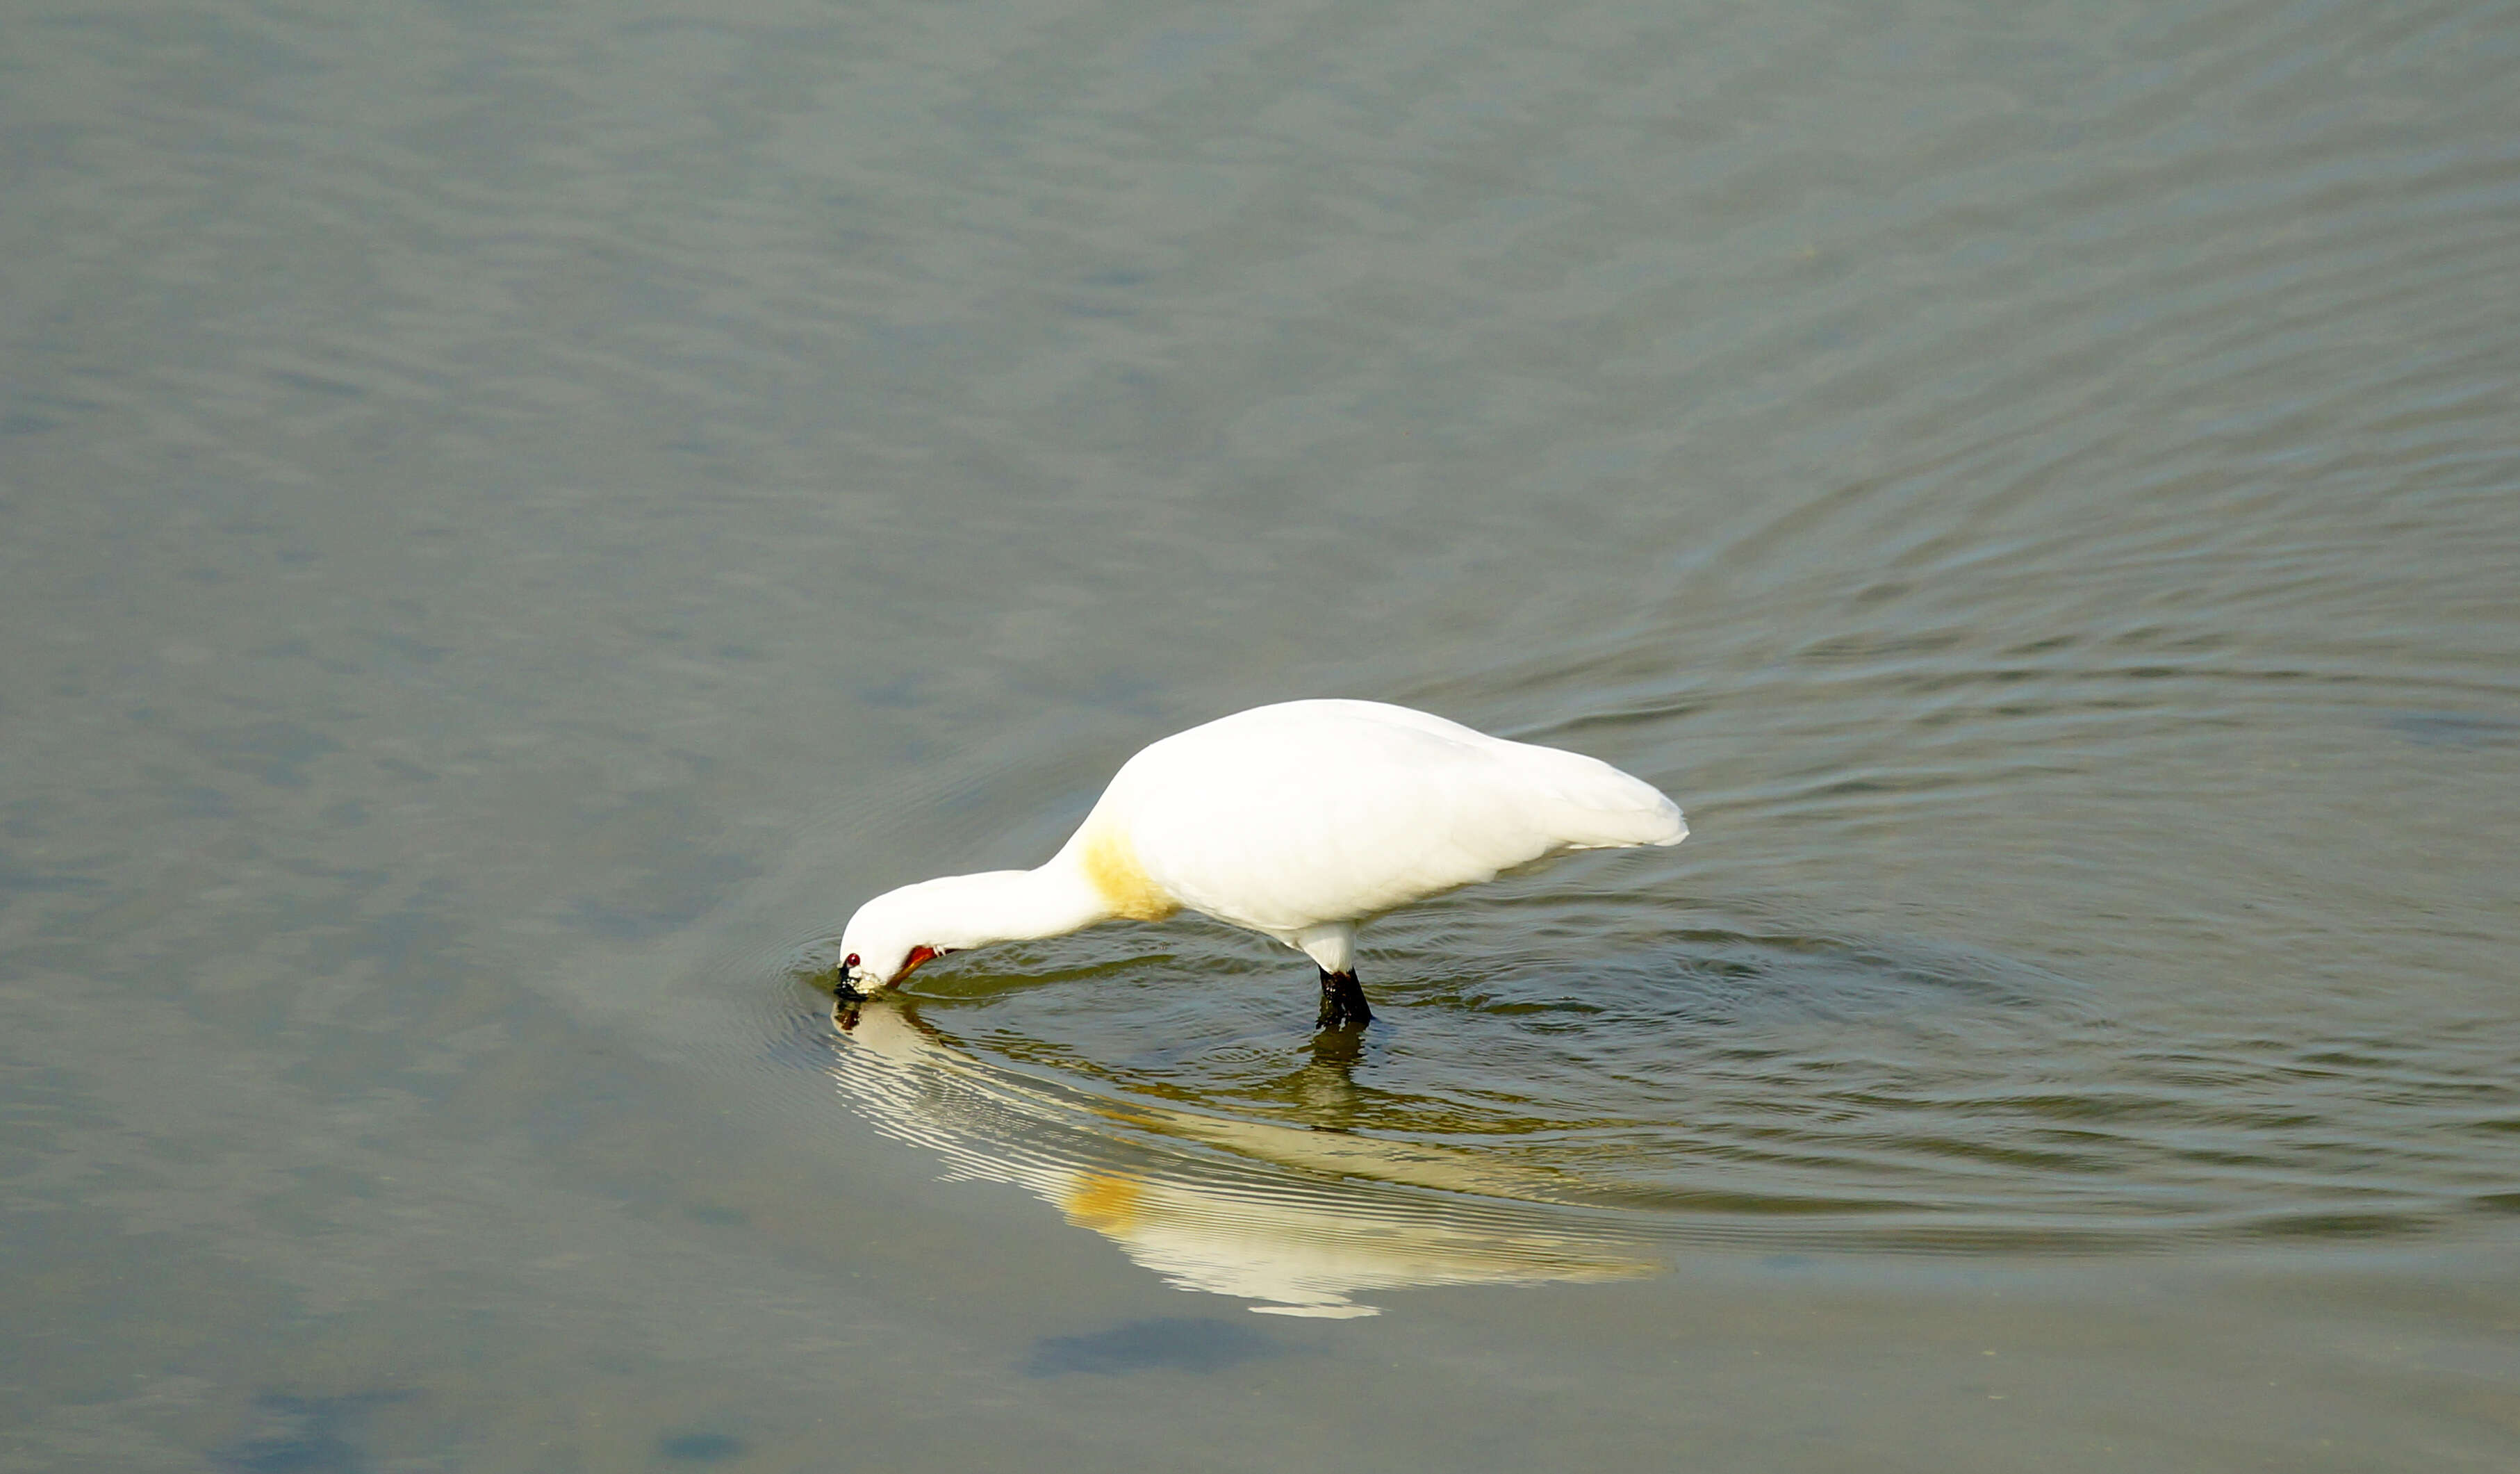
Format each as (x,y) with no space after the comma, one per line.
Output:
(1342,1003)
(1352,994)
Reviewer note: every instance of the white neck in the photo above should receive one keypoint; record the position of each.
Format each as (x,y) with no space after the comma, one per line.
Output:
(955,911)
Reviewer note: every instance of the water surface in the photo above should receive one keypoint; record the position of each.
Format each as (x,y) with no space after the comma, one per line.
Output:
(516,519)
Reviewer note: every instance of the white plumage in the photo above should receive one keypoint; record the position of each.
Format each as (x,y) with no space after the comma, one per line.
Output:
(1297,821)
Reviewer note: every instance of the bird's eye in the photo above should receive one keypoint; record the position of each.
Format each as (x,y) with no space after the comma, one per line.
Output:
(850,961)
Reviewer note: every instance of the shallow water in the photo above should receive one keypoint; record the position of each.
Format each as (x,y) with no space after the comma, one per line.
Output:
(516,519)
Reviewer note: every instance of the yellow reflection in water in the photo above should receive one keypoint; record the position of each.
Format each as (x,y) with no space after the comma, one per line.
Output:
(1299,1222)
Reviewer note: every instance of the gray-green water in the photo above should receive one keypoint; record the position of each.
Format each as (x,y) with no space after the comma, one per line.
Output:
(515,519)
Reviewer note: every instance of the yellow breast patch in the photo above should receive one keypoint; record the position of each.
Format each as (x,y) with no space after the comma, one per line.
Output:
(1111,864)
(1106,1203)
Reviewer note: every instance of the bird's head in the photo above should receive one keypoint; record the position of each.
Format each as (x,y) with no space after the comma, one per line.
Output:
(888,939)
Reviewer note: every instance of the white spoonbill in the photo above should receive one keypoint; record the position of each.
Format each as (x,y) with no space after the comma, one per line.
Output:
(1296,821)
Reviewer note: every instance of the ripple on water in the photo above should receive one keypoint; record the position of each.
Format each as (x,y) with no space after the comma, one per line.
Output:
(1693,1078)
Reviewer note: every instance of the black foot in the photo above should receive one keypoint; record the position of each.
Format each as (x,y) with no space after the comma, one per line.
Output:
(1342,1003)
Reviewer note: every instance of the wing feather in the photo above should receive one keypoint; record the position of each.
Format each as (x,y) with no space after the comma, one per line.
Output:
(1288,816)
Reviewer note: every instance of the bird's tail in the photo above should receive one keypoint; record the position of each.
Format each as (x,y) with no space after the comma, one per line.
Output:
(1604,808)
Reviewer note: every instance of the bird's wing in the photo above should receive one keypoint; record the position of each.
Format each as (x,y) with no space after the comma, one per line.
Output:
(1327,815)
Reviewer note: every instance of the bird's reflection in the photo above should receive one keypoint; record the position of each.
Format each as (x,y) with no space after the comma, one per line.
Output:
(1322,1090)
(1299,1222)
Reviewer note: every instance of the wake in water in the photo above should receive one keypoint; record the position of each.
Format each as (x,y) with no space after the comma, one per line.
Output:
(1716,1085)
